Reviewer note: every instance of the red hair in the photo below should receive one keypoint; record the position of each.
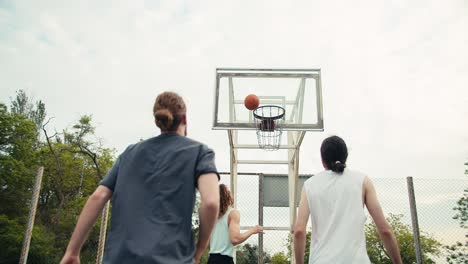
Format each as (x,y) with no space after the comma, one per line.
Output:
(225,199)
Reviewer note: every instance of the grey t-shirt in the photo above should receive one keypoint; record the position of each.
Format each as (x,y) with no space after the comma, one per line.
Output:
(153,184)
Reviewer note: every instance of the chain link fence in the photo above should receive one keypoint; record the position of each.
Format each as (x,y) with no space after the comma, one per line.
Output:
(435,202)
(38,254)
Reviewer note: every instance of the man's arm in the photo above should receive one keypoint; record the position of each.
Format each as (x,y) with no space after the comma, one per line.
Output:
(235,235)
(209,209)
(300,228)
(383,228)
(86,221)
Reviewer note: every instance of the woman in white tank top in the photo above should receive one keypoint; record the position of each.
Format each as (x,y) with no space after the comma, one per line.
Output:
(226,232)
(334,199)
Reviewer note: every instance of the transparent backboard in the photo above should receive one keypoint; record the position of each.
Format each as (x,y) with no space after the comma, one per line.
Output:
(298,91)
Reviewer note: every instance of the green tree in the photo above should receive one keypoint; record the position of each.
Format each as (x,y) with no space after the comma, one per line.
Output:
(376,250)
(74,163)
(279,258)
(248,254)
(11,234)
(404,236)
(307,246)
(11,239)
(458,252)
(23,105)
(18,160)
(462,207)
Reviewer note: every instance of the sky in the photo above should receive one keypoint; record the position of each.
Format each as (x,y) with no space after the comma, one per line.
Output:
(394,72)
(394,79)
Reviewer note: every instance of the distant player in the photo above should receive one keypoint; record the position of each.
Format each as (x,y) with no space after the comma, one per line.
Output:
(226,233)
(152,186)
(335,199)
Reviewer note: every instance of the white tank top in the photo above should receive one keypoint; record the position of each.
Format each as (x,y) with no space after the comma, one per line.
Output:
(338,218)
(220,242)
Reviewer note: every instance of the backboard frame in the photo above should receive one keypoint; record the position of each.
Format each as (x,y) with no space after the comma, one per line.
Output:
(269,73)
(298,122)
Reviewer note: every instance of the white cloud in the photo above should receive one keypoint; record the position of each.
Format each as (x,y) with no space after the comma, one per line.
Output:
(394,72)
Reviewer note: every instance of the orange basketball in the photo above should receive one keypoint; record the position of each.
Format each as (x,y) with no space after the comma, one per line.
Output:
(251,102)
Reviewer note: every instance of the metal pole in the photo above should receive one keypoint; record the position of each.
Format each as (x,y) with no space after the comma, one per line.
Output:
(292,185)
(32,215)
(232,135)
(260,218)
(102,233)
(414,220)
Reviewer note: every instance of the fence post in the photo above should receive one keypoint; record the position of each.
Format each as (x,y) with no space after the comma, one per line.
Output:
(260,218)
(32,215)
(102,233)
(414,220)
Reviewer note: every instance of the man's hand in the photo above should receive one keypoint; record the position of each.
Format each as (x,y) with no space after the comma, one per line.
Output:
(198,254)
(70,259)
(88,217)
(209,209)
(196,260)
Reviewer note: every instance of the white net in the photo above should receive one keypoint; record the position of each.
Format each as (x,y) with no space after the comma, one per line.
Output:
(269,120)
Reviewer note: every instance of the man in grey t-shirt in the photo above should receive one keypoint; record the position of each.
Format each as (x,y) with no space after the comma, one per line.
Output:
(152,185)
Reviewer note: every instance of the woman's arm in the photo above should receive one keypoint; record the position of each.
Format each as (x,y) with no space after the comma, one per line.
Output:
(234,229)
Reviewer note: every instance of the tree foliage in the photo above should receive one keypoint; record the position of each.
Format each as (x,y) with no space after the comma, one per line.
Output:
(404,235)
(23,106)
(74,162)
(376,250)
(17,162)
(458,252)
(461,208)
(307,246)
(279,258)
(248,253)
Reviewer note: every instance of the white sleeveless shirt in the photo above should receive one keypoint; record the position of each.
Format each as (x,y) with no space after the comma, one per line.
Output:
(338,218)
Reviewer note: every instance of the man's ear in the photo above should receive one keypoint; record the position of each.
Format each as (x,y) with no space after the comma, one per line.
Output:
(184,119)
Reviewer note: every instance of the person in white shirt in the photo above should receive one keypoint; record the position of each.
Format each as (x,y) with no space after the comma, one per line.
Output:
(335,199)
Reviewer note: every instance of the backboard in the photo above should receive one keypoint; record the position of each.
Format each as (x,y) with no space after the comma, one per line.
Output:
(298,91)
(275,190)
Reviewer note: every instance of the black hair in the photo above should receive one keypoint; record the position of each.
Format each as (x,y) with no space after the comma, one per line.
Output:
(334,153)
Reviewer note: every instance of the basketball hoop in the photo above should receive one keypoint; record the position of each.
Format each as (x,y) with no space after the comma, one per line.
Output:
(269,120)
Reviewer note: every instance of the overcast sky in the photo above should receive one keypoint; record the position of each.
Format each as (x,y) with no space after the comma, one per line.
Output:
(394,73)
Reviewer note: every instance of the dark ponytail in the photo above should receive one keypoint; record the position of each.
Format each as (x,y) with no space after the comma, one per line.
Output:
(338,167)
(334,153)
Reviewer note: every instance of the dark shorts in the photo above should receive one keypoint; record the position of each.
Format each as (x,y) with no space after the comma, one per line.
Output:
(220,259)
